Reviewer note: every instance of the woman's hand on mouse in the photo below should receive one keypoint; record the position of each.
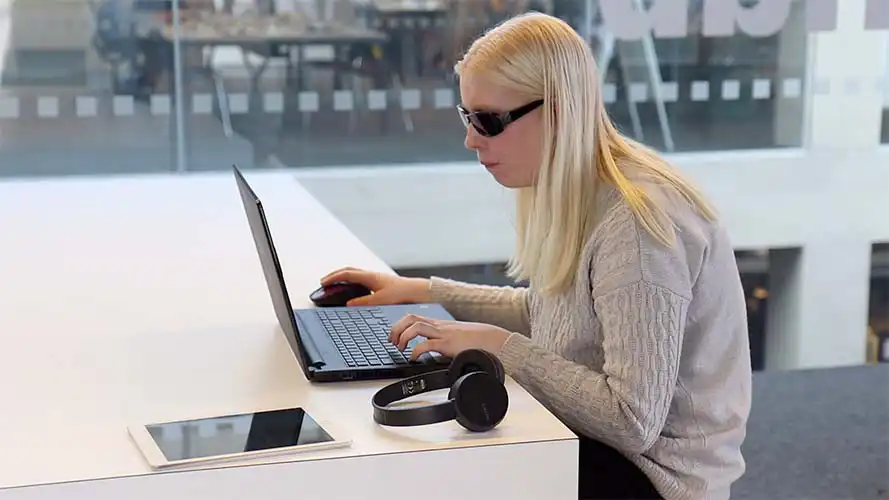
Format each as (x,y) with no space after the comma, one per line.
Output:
(387,288)
(447,337)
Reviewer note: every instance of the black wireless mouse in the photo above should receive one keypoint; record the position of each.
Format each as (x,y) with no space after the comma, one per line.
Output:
(337,294)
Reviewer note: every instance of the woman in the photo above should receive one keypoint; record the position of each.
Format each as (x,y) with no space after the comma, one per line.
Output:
(633,331)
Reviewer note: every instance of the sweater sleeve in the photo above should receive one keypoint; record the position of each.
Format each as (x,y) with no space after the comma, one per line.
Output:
(634,288)
(626,405)
(503,306)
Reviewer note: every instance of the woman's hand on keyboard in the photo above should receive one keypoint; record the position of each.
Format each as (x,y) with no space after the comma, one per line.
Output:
(445,337)
(387,288)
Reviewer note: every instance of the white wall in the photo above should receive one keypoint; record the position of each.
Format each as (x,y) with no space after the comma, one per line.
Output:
(454,213)
(845,65)
(886,79)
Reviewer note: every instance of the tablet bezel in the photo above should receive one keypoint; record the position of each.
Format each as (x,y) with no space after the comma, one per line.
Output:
(157,460)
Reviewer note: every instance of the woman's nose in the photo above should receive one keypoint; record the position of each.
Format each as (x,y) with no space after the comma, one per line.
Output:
(473,139)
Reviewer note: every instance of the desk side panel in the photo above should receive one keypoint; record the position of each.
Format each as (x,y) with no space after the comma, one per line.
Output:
(544,470)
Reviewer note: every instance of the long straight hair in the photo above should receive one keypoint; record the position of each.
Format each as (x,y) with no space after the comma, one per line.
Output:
(542,57)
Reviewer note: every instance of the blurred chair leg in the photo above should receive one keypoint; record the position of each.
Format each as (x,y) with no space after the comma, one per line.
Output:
(358,101)
(405,114)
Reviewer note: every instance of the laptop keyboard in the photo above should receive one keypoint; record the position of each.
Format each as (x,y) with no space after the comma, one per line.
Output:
(362,337)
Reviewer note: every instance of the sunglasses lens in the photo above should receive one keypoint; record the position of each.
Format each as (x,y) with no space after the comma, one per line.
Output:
(488,124)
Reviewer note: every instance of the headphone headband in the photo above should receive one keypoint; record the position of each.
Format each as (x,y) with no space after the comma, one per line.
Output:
(413,415)
(477,399)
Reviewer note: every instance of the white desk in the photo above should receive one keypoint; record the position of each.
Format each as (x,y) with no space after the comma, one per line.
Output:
(142,299)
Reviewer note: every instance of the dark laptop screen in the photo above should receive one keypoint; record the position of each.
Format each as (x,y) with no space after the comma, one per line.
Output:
(271,267)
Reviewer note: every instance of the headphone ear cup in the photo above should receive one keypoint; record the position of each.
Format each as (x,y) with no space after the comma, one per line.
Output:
(475,360)
(496,368)
(480,401)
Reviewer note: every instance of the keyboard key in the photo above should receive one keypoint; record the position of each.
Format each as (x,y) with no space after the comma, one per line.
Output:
(362,337)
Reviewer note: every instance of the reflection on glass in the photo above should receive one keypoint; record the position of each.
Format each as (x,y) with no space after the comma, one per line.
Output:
(357,82)
(708,93)
(71,99)
(90,86)
(237,433)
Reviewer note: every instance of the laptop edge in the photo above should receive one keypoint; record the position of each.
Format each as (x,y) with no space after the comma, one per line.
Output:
(269,263)
(318,362)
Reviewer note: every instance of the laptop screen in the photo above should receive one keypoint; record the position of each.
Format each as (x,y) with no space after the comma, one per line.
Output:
(271,267)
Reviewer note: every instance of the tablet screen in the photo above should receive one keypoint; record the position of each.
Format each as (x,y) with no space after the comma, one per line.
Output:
(210,437)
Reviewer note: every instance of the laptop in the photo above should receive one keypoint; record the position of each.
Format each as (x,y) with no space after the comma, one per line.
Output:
(337,343)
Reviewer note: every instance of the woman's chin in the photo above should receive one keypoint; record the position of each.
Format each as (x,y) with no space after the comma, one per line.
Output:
(507,182)
(503,177)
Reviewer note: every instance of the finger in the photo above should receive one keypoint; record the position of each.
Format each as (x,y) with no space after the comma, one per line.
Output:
(331,276)
(430,345)
(358,276)
(374,299)
(438,323)
(401,325)
(419,329)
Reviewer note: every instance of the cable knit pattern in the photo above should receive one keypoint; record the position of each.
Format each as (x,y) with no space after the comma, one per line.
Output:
(504,306)
(647,353)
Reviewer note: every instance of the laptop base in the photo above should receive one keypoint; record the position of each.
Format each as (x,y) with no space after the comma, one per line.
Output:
(330,352)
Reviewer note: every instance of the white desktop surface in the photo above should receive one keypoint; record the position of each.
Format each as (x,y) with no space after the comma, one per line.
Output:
(128,300)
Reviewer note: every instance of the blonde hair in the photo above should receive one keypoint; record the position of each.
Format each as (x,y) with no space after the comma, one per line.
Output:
(542,57)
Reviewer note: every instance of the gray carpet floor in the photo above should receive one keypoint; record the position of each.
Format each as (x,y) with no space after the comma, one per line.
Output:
(818,434)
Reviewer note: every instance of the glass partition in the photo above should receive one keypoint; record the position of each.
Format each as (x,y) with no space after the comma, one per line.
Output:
(701,93)
(345,82)
(73,91)
(116,86)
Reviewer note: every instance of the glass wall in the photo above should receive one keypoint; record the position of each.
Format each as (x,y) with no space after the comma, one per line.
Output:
(67,92)
(353,82)
(139,86)
(99,86)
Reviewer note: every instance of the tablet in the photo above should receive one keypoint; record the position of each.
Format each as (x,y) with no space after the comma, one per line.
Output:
(233,437)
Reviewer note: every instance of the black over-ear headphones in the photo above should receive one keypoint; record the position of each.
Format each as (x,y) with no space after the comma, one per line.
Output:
(477,399)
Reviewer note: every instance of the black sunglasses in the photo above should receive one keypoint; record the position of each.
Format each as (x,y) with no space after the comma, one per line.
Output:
(489,124)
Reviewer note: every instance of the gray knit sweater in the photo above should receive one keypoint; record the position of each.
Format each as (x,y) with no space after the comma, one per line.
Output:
(648,352)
